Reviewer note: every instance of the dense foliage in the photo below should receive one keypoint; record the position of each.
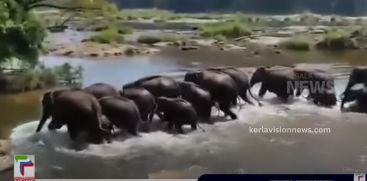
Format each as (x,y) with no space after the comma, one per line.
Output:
(21,35)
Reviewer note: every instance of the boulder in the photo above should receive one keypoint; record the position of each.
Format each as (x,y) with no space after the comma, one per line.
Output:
(6,158)
(187,48)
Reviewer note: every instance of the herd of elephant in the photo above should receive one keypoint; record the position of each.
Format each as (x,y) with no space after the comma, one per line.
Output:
(92,114)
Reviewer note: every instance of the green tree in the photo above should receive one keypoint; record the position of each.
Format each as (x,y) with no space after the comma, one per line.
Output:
(22,34)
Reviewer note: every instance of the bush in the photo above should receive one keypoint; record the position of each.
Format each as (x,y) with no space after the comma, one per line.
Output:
(110,35)
(130,51)
(228,30)
(336,40)
(150,40)
(124,30)
(295,44)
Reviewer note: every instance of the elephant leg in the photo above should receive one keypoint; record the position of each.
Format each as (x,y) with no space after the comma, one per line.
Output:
(151,114)
(170,125)
(97,136)
(193,125)
(179,128)
(225,107)
(150,117)
(206,115)
(132,129)
(299,91)
(72,133)
(245,98)
(262,90)
(160,115)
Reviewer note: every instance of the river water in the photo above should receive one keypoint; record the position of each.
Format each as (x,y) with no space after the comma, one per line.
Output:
(225,147)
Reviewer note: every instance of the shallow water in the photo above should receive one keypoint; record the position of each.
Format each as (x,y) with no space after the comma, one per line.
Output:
(225,147)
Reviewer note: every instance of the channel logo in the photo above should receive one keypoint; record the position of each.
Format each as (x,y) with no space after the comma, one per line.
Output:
(359,177)
(24,168)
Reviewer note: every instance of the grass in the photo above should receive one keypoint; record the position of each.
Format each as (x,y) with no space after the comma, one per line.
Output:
(336,40)
(227,30)
(297,44)
(111,35)
(124,30)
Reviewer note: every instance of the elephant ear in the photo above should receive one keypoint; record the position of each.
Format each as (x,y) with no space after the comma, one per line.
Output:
(48,98)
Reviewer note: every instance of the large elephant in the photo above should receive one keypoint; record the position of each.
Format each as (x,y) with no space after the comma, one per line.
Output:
(178,112)
(360,96)
(280,81)
(48,108)
(100,90)
(242,80)
(143,99)
(199,98)
(320,85)
(358,75)
(158,86)
(221,86)
(79,110)
(122,112)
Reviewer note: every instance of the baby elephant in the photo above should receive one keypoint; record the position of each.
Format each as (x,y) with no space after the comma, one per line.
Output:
(177,112)
(122,112)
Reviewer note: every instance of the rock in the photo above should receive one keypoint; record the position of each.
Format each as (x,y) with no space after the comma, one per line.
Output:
(278,52)
(68,53)
(255,52)
(6,158)
(93,54)
(195,28)
(187,48)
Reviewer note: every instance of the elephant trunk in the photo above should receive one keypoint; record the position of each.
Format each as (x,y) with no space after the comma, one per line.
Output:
(47,107)
(45,116)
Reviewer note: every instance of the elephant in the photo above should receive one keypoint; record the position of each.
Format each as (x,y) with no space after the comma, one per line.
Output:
(158,86)
(143,99)
(242,80)
(48,109)
(199,98)
(178,112)
(320,85)
(79,110)
(100,90)
(360,96)
(221,86)
(122,112)
(280,81)
(358,75)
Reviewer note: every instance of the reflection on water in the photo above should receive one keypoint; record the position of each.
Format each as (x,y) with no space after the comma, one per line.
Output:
(17,109)
(114,71)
